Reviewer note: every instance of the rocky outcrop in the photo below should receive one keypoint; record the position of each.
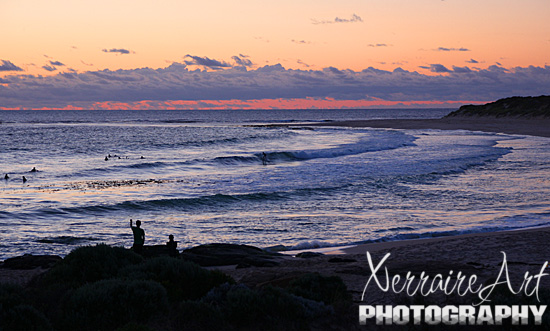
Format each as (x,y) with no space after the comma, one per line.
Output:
(230,254)
(509,107)
(28,262)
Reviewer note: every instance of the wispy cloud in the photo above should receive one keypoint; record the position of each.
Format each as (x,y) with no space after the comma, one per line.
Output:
(300,42)
(472,61)
(118,51)
(303,63)
(242,60)
(8,66)
(378,45)
(49,68)
(445,49)
(56,63)
(205,62)
(354,19)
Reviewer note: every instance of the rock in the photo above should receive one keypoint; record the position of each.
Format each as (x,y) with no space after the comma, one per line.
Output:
(27,262)
(229,254)
(309,255)
(341,260)
(155,251)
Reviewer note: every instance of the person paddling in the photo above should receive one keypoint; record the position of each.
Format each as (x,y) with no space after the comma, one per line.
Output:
(139,236)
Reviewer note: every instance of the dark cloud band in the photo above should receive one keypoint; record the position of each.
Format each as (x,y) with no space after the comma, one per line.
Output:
(232,82)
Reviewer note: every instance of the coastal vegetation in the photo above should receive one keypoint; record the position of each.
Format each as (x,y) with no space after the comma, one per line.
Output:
(508,107)
(111,288)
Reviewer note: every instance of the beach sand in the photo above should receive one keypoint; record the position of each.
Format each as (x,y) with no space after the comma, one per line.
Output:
(523,126)
(479,253)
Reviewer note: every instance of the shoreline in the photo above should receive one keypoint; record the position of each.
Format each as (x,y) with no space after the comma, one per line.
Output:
(522,126)
(354,249)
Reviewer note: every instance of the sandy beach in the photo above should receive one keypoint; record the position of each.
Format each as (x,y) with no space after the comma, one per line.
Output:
(479,253)
(523,126)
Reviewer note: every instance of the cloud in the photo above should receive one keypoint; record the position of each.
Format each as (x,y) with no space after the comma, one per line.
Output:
(461,70)
(49,68)
(472,61)
(354,19)
(242,60)
(439,68)
(378,45)
(117,50)
(301,42)
(205,62)
(303,63)
(180,86)
(56,63)
(445,49)
(8,66)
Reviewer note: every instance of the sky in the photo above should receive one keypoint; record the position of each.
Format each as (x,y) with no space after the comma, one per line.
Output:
(214,54)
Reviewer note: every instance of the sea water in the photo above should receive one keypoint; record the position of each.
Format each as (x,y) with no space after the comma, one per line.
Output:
(199,175)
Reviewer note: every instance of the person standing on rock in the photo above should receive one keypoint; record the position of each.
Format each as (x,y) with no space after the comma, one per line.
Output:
(139,236)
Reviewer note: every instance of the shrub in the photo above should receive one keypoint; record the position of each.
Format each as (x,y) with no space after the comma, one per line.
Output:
(198,315)
(330,290)
(10,296)
(109,304)
(91,263)
(183,280)
(268,308)
(24,318)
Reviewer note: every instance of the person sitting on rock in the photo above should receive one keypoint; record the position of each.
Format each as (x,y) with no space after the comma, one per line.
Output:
(172,246)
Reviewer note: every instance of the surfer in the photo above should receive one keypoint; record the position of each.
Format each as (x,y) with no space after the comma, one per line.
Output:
(264,158)
(6,177)
(24,179)
(139,236)
(34,169)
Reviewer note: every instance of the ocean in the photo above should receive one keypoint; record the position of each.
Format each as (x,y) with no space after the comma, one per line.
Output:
(199,176)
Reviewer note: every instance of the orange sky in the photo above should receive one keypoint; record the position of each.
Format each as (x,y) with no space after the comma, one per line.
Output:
(50,37)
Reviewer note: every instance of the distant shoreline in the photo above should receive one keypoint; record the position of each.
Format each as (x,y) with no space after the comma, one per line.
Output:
(509,125)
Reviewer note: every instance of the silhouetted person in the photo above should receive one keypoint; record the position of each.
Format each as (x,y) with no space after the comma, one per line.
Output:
(24,179)
(142,157)
(106,158)
(6,177)
(172,246)
(34,169)
(139,236)
(264,158)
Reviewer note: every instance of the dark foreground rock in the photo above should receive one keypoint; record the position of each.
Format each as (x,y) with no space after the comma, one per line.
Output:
(28,262)
(231,254)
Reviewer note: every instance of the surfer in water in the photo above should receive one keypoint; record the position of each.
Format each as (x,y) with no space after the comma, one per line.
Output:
(264,158)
